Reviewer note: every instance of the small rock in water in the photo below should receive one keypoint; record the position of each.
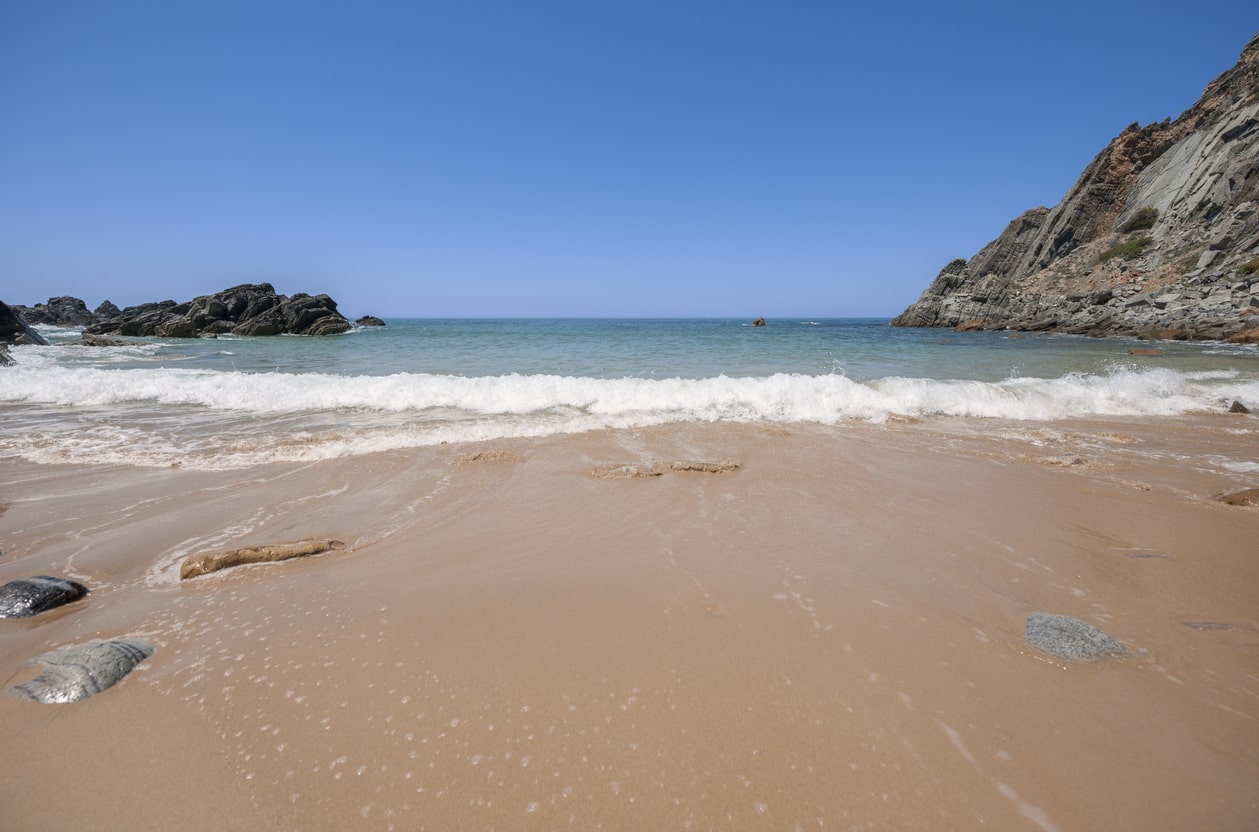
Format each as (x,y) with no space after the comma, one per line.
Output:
(30,596)
(1238,407)
(79,672)
(1070,638)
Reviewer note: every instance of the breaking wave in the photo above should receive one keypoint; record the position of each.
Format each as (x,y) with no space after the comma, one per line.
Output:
(216,419)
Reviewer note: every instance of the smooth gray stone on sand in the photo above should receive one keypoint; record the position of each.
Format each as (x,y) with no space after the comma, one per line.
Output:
(1070,638)
(79,672)
(30,596)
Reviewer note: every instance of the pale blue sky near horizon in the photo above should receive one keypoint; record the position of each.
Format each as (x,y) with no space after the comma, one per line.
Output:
(561,158)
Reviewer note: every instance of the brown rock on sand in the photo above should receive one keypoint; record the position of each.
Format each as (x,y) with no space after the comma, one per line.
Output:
(719,467)
(1249,497)
(627,471)
(623,472)
(203,564)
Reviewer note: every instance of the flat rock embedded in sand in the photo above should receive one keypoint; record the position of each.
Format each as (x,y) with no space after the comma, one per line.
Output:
(203,564)
(492,456)
(720,467)
(79,672)
(1249,498)
(623,472)
(30,596)
(1070,638)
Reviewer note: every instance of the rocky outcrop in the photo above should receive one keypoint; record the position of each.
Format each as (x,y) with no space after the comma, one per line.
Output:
(248,309)
(369,320)
(106,311)
(13,330)
(62,311)
(1159,237)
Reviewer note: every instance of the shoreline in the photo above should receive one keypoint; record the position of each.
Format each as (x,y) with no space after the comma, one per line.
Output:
(828,635)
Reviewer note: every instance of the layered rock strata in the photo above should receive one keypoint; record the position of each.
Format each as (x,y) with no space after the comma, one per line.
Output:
(1159,237)
(13,330)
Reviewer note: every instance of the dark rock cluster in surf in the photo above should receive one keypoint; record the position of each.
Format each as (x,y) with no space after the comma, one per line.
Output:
(247,309)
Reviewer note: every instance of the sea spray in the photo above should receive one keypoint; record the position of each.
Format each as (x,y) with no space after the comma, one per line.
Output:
(215,419)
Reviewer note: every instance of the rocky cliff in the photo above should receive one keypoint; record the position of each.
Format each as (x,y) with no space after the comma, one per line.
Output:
(1159,237)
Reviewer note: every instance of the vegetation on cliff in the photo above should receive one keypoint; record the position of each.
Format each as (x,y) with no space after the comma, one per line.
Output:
(1157,237)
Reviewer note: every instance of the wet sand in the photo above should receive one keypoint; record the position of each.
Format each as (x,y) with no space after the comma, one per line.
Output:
(828,636)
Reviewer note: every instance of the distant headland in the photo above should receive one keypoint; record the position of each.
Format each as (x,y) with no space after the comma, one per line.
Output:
(1158,238)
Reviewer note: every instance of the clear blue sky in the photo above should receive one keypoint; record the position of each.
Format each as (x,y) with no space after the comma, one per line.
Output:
(583,158)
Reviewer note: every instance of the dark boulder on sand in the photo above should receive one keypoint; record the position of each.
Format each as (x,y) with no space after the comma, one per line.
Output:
(30,596)
(248,309)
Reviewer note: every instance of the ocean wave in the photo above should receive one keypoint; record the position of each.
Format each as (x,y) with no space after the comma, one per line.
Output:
(215,419)
(778,397)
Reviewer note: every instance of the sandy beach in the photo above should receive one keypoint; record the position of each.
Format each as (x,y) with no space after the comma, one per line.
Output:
(827,636)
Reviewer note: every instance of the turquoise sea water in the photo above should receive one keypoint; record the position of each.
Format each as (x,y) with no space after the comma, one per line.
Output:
(230,402)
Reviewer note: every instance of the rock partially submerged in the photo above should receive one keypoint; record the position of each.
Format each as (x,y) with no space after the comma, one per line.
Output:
(1070,638)
(79,672)
(369,320)
(6,360)
(1248,498)
(623,471)
(31,596)
(203,564)
(247,309)
(89,340)
(719,467)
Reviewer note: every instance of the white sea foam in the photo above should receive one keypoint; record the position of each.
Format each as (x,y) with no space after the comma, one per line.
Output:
(216,419)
